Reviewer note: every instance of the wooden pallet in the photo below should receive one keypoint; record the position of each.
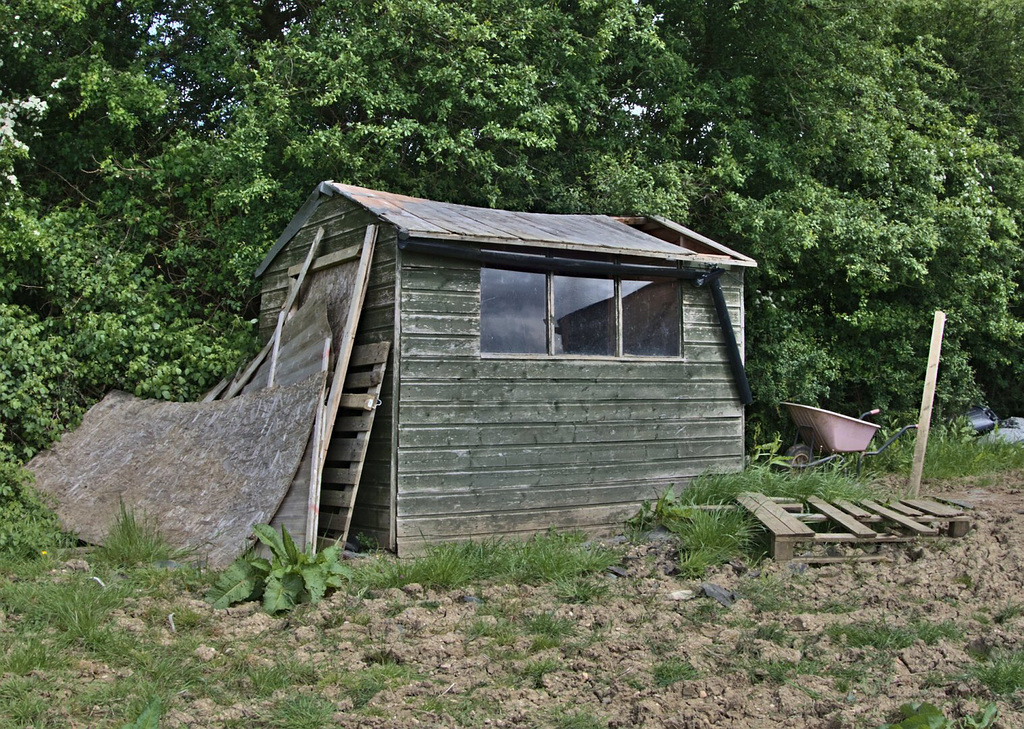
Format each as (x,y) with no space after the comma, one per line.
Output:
(865,522)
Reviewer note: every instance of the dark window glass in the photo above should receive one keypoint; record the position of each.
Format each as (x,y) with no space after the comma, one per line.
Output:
(513,309)
(650,318)
(584,315)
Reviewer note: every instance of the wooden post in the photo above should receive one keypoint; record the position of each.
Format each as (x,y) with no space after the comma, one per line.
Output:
(925,420)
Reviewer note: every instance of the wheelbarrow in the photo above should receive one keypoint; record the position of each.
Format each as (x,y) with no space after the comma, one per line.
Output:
(824,436)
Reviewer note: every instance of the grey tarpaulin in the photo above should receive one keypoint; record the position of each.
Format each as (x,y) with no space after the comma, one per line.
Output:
(207,470)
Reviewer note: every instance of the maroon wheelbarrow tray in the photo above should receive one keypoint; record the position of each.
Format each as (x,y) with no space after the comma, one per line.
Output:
(824,436)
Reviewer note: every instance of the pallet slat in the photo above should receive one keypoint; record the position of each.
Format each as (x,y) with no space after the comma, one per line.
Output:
(780,522)
(842,518)
(341,482)
(901,519)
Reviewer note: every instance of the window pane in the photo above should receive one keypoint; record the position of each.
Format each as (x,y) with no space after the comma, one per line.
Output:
(513,309)
(650,318)
(584,315)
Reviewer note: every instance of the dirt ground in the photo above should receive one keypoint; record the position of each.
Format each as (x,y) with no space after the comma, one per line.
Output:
(649,649)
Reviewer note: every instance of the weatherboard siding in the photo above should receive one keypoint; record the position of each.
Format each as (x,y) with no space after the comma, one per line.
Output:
(506,445)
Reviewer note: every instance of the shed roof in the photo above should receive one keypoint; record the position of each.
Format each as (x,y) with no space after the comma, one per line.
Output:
(648,237)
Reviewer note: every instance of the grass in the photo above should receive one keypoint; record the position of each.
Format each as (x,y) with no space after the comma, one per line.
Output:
(954,451)
(826,483)
(303,712)
(545,558)
(1004,674)
(362,686)
(533,672)
(548,631)
(889,637)
(134,540)
(673,670)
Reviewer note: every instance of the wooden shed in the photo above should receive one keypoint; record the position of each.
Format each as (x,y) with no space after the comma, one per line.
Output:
(546,371)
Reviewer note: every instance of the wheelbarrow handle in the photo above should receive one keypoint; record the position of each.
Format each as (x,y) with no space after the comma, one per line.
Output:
(869,413)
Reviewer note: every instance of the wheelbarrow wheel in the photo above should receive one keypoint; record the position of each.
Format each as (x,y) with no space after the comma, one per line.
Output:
(799,455)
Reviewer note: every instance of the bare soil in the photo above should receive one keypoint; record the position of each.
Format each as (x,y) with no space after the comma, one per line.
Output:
(644,648)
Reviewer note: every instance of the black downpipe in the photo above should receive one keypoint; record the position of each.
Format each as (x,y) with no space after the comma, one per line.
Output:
(739,373)
(572,265)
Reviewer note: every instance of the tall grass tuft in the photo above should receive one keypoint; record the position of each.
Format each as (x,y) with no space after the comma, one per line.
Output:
(1004,674)
(954,451)
(133,541)
(550,557)
(826,483)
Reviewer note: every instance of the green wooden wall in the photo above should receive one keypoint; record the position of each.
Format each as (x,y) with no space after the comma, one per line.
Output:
(504,445)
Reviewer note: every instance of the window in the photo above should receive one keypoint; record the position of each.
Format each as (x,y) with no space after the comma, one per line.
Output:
(546,313)
(513,311)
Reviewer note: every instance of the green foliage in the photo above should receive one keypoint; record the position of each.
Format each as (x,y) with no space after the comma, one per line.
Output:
(28,527)
(869,155)
(292,577)
(922,715)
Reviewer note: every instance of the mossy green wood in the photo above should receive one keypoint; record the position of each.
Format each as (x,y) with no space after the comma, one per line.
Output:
(496,445)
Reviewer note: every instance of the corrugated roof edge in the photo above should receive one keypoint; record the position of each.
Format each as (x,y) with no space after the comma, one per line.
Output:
(330,188)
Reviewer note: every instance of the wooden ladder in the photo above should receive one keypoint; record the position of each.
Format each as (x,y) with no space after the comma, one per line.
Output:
(350,439)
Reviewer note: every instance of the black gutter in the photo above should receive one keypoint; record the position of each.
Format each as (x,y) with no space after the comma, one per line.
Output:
(604,268)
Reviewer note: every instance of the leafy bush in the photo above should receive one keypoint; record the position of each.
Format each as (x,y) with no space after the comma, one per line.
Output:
(293,576)
(27,525)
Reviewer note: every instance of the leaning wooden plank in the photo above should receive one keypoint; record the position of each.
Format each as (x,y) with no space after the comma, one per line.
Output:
(337,258)
(933,507)
(779,521)
(320,434)
(343,347)
(293,295)
(206,472)
(902,520)
(845,520)
(216,390)
(243,379)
